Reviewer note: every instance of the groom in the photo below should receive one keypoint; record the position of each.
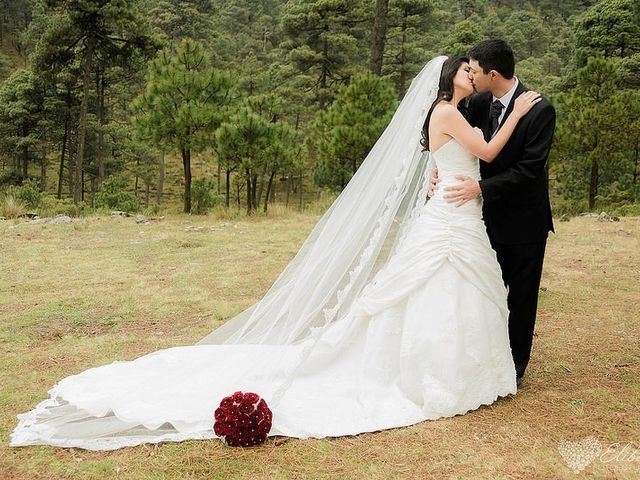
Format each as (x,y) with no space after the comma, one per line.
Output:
(514,187)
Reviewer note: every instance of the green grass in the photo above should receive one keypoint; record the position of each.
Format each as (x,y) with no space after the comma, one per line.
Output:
(105,288)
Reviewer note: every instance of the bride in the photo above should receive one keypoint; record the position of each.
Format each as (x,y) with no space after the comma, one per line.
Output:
(392,312)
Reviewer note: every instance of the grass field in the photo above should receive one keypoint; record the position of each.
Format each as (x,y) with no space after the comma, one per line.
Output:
(105,288)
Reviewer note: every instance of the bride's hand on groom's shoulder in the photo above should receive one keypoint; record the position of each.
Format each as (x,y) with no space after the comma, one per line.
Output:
(525,102)
(433,182)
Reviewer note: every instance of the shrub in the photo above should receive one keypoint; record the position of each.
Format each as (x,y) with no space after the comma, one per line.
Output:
(204,196)
(11,206)
(28,193)
(112,195)
(51,206)
(11,177)
(628,210)
(561,207)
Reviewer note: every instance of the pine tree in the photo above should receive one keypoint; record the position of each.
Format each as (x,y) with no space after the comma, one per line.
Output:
(405,54)
(184,103)
(342,135)
(593,123)
(242,143)
(94,31)
(23,119)
(322,43)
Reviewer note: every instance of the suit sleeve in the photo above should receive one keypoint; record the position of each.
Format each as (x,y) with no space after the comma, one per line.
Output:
(473,112)
(531,166)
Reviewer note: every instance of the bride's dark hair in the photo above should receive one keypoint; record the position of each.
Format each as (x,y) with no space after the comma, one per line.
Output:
(445,93)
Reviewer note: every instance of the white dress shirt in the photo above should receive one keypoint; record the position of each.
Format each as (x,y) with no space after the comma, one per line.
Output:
(506,99)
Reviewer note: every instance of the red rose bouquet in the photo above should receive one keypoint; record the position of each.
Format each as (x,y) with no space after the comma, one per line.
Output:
(242,420)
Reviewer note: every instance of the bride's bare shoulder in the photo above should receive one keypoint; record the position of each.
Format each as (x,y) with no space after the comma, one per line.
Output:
(444,110)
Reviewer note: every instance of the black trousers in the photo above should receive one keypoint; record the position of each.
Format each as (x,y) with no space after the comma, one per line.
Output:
(521,271)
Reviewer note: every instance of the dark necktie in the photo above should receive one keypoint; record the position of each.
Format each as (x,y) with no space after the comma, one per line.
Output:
(494,114)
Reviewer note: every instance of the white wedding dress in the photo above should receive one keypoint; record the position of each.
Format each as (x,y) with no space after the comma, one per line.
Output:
(426,338)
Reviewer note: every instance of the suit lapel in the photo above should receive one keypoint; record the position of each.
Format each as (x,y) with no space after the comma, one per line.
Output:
(484,104)
(520,89)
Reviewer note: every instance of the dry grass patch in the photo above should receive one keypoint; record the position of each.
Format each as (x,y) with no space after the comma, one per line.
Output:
(103,289)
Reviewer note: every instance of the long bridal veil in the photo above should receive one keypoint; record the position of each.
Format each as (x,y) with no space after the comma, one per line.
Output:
(127,403)
(354,237)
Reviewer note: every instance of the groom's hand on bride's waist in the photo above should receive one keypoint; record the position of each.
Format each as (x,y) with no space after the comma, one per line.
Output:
(433,182)
(461,193)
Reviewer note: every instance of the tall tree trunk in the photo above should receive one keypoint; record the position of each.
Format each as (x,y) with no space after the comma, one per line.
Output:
(269,185)
(72,150)
(92,189)
(593,183)
(219,173)
(289,181)
(43,170)
(25,154)
(254,199)
(100,147)
(160,179)
(326,62)
(261,187)
(379,35)
(186,163)
(636,163)
(82,126)
(62,153)
(272,192)
(147,188)
(301,206)
(82,186)
(135,183)
(227,192)
(248,192)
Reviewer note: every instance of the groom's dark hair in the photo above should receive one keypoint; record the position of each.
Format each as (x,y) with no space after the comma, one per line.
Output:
(494,55)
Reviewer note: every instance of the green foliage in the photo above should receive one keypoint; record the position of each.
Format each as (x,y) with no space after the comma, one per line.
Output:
(112,196)
(407,46)
(11,207)
(204,196)
(23,117)
(28,194)
(342,135)
(571,207)
(184,102)
(463,36)
(177,19)
(184,99)
(323,42)
(610,28)
(596,132)
(10,177)
(51,206)
(526,33)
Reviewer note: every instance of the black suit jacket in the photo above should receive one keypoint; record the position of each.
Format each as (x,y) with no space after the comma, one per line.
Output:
(514,186)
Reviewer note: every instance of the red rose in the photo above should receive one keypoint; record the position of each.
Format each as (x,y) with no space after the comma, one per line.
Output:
(242,419)
(232,413)
(218,429)
(251,397)
(219,414)
(246,408)
(238,397)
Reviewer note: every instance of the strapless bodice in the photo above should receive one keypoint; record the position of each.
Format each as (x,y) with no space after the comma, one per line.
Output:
(452,160)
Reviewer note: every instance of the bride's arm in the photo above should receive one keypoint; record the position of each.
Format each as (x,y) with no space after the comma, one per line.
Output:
(456,126)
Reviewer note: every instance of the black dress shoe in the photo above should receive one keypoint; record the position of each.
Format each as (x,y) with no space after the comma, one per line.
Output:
(518,382)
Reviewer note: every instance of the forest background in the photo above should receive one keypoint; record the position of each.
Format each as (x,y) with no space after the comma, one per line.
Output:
(236,105)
